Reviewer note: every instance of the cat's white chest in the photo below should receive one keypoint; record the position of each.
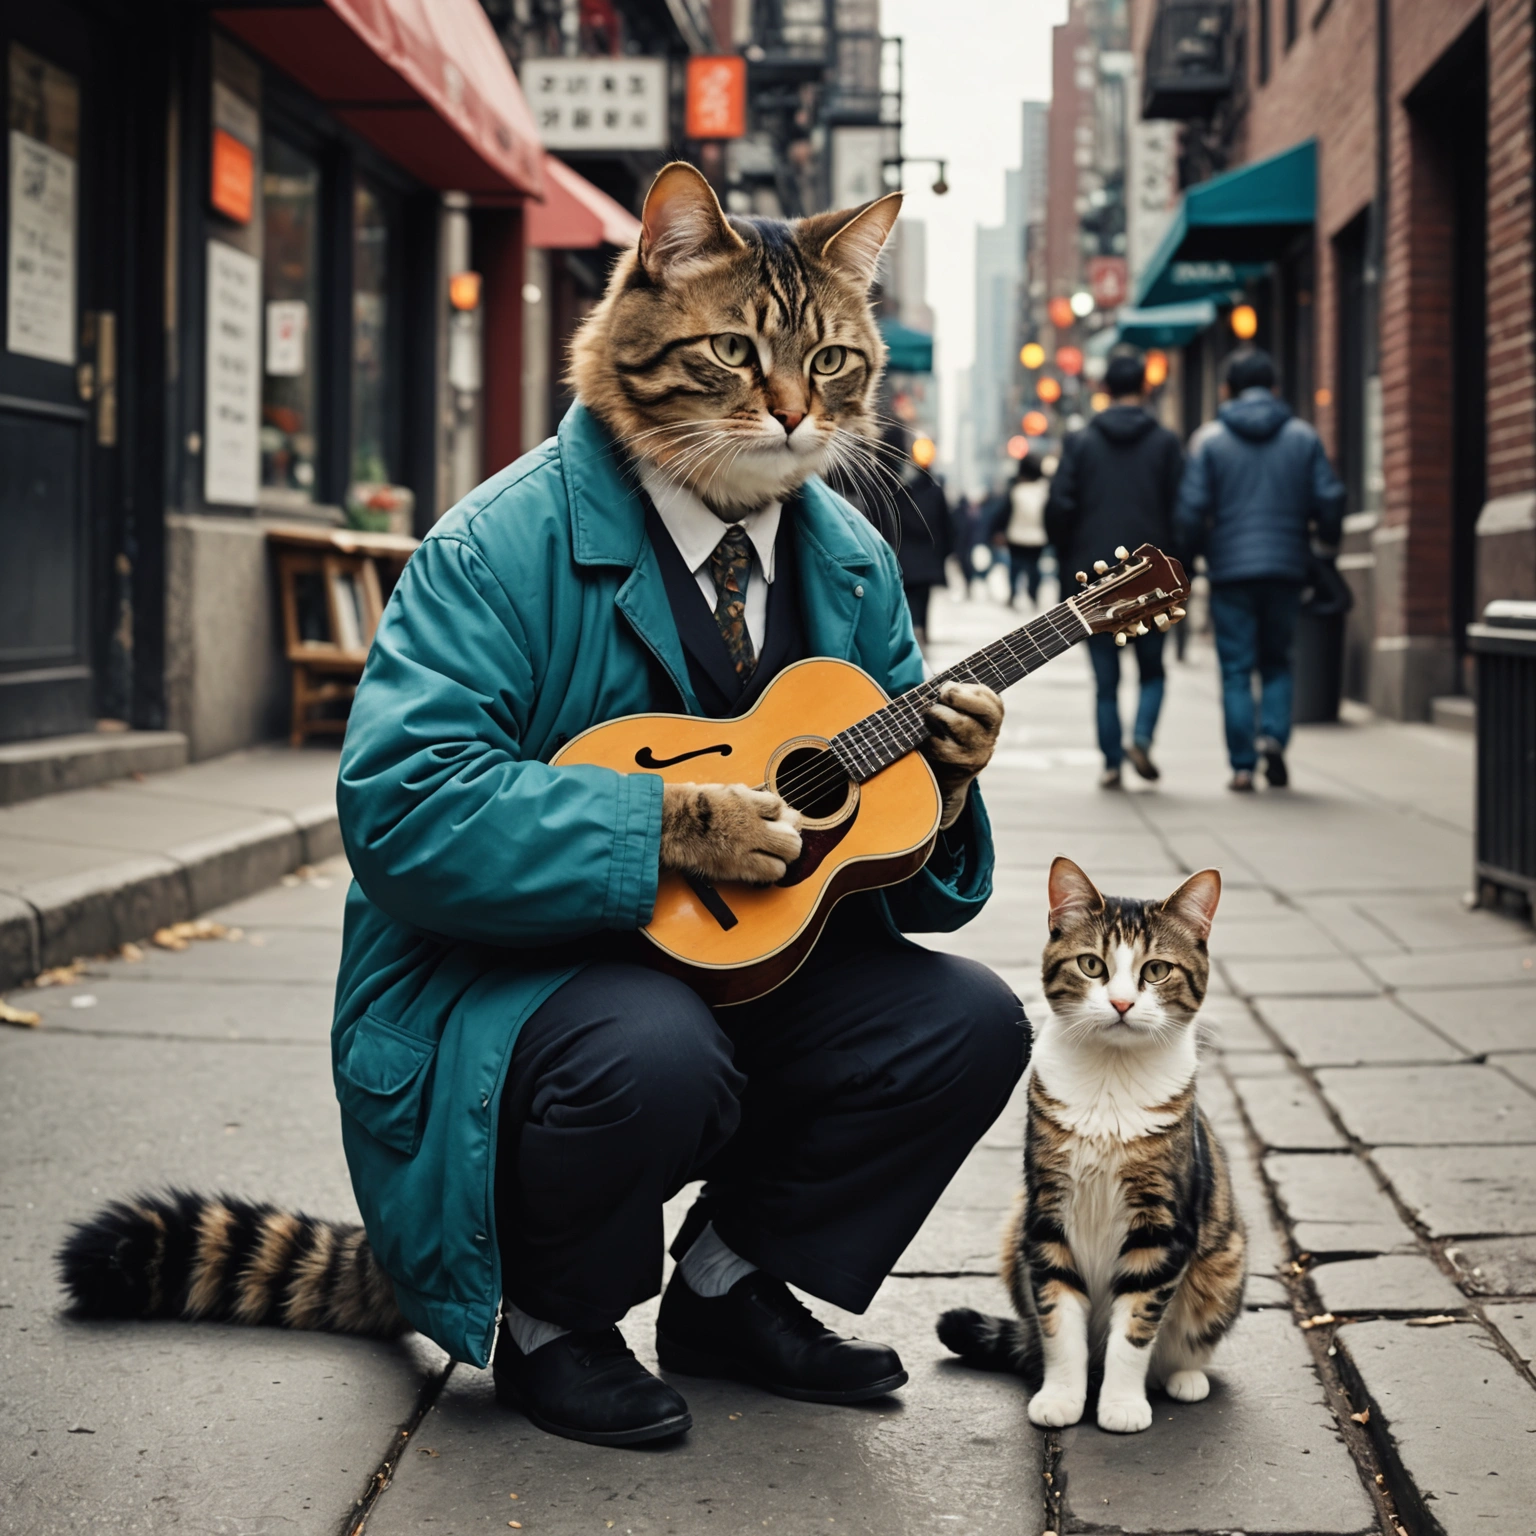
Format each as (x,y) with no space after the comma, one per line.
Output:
(1096,1221)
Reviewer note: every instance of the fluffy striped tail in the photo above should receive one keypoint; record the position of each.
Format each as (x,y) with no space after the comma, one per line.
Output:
(991,1343)
(187,1256)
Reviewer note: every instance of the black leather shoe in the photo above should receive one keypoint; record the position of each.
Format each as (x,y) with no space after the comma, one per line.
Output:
(588,1386)
(759,1332)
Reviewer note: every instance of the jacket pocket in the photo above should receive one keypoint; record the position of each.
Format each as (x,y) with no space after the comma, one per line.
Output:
(381,1080)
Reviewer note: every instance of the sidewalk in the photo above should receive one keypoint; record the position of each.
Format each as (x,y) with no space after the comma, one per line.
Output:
(1373,1076)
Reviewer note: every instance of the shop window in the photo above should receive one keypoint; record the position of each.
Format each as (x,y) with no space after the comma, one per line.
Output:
(291,285)
(375,443)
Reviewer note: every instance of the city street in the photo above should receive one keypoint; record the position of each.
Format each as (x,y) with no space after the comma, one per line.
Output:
(1372,1071)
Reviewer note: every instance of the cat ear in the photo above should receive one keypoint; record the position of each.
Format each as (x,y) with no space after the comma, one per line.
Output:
(682,223)
(1070,890)
(852,240)
(1194,903)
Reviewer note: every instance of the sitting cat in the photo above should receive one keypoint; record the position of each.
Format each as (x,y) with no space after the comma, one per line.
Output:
(1127,1241)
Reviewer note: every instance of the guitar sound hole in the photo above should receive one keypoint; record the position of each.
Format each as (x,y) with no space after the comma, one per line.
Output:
(810,779)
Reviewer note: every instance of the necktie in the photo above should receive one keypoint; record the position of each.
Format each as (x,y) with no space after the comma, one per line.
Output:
(728,566)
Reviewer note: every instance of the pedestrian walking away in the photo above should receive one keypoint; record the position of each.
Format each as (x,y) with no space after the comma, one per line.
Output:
(1026,529)
(1257,488)
(1118,483)
(923,517)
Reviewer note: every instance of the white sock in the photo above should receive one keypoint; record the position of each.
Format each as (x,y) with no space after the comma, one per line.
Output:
(528,1333)
(709,1268)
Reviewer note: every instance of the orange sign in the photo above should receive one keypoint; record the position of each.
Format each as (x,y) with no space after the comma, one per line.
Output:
(234,177)
(1069,360)
(717,97)
(1060,311)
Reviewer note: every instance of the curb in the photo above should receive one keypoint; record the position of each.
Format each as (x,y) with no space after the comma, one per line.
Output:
(94,912)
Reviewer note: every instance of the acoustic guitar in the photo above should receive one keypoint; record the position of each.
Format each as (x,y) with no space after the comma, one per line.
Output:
(826,738)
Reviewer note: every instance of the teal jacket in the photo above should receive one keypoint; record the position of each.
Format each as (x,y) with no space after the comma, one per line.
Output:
(534,609)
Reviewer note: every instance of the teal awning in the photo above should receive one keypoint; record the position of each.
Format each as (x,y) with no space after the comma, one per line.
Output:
(1228,229)
(1167,325)
(910,351)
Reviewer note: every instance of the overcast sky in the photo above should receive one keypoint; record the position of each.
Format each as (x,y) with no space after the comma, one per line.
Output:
(969,63)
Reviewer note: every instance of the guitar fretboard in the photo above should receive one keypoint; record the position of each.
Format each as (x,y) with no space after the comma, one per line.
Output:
(878,740)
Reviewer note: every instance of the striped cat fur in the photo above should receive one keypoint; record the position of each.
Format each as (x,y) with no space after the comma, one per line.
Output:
(209,1257)
(1126,1247)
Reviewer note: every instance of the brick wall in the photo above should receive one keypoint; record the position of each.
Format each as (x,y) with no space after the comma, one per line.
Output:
(1063,254)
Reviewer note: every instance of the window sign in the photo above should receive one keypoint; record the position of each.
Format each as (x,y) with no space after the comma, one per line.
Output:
(236,133)
(858,165)
(373,440)
(287,337)
(598,103)
(44,148)
(231,445)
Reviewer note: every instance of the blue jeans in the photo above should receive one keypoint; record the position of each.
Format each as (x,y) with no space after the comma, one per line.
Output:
(1255,623)
(1105,655)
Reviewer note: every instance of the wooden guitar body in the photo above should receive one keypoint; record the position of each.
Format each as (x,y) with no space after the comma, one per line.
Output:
(735,942)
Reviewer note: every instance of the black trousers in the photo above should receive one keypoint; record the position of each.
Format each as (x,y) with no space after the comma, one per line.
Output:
(826,1118)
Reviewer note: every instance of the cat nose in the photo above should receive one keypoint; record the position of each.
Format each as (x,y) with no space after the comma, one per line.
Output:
(789,420)
(1122,1007)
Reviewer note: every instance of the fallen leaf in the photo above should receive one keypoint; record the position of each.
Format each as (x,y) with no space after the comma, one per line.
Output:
(1319,1321)
(168,938)
(511,1495)
(516,1525)
(131,953)
(1363,1417)
(1437,1321)
(427,1450)
(59,975)
(22,1016)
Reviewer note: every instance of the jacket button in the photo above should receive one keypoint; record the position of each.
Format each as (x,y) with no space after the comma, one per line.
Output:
(858,591)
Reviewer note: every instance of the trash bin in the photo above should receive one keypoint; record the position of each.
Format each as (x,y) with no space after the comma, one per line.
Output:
(1317,662)
(1504,644)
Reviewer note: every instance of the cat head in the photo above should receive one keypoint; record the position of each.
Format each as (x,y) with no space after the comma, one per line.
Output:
(738,355)
(1127,973)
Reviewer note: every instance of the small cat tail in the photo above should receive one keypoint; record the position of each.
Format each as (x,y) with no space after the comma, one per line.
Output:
(990,1343)
(209,1257)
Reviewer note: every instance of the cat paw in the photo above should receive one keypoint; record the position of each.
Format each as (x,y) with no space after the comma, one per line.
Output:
(1052,1408)
(1125,1415)
(1188,1386)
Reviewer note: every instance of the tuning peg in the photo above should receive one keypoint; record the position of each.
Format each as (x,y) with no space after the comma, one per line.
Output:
(1177,613)
(1082,577)
(1161,621)
(1100,566)
(1120,637)
(1121,552)
(1141,627)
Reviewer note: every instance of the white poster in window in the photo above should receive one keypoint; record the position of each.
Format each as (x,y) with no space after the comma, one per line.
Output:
(40,292)
(858,165)
(287,337)
(599,103)
(232,397)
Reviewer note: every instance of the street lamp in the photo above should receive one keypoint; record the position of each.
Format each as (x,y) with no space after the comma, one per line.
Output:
(1082,303)
(941,184)
(1032,354)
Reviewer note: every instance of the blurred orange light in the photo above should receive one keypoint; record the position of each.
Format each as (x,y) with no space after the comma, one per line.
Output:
(1035,424)
(1060,311)
(1048,390)
(924,452)
(1323,397)
(1245,322)
(1017,447)
(1157,369)
(1099,400)
(1069,360)
(464,290)
(1032,354)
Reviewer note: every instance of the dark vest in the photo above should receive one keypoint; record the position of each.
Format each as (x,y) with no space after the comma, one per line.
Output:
(719,690)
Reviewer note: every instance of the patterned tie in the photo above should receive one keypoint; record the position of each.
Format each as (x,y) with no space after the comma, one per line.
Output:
(728,566)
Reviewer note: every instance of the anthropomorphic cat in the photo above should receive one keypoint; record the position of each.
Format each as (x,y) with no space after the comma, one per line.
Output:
(1127,1246)
(519,1098)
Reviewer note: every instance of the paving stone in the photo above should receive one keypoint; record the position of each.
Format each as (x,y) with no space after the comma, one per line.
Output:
(1266,1249)
(1521,1065)
(1495,1266)
(1465,1191)
(1401,1282)
(1472,968)
(964,1232)
(1442,921)
(1318,977)
(1230,1027)
(1348,920)
(1334,1204)
(1260,1454)
(1455,1414)
(1287,1115)
(1430,1106)
(1516,1320)
(1265,1291)
(1479,1018)
(1279,935)
(953,1450)
(316,902)
(262,955)
(1331,1031)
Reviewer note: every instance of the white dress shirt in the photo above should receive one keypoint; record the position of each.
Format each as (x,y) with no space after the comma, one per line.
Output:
(697,533)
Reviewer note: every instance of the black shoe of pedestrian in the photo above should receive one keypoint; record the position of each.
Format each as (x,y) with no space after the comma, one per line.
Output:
(1275,772)
(1141,761)
(589,1387)
(759,1332)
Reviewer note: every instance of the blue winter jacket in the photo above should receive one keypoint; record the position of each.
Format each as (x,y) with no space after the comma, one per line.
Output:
(534,609)
(1255,482)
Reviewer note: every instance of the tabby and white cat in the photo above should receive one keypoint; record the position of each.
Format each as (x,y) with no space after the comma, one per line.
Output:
(1127,1245)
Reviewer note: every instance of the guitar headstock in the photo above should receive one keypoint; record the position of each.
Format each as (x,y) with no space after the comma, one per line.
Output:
(1140,590)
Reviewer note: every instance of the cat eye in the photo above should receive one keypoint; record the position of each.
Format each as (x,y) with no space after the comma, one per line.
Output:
(731,349)
(829,360)
(1155,971)
(1091,965)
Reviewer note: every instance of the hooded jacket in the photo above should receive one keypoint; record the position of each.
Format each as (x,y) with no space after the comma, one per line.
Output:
(1117,484)
(1255,483)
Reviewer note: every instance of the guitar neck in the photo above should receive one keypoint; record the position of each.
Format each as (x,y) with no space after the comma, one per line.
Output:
(878,740)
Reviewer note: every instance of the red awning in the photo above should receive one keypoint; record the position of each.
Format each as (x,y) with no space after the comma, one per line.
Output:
(575,215)
(425,81)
